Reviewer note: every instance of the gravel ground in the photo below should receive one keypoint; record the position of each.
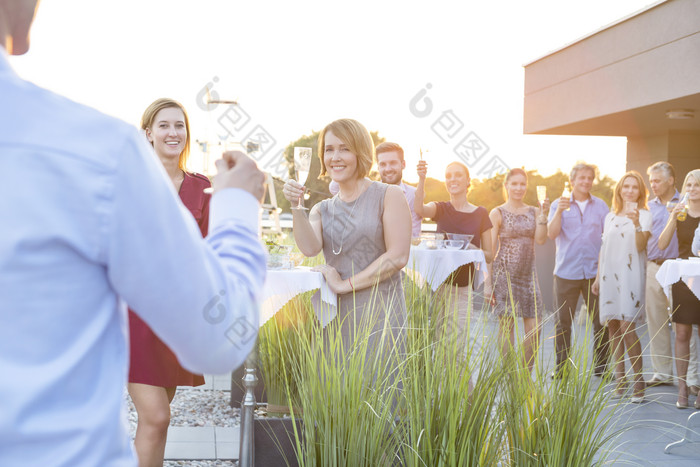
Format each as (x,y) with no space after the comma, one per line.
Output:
(196,407)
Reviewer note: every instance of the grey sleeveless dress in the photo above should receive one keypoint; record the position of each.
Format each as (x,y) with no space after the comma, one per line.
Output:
(358,229)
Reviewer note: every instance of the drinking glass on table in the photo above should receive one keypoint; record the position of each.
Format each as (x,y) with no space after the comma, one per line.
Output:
(541,194)
(302,164)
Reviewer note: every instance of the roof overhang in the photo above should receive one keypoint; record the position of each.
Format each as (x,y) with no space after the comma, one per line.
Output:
(621,80)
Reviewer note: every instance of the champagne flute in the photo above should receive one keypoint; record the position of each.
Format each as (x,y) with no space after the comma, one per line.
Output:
(302,164)
(541,194)
(227,146)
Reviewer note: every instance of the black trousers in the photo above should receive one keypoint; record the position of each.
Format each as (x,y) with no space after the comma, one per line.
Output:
(566,294)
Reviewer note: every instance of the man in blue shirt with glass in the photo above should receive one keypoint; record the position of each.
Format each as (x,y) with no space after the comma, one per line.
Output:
(576,226)
(662,178)
(91,222)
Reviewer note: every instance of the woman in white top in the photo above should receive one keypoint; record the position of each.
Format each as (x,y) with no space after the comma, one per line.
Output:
(621,276)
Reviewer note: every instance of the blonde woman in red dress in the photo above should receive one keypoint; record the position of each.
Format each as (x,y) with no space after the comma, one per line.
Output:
(154,372)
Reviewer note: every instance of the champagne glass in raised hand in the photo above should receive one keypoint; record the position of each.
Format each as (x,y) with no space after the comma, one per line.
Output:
(541,194)
(302,164)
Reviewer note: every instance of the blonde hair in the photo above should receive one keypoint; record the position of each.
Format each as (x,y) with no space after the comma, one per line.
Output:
(149,116)
(358,140)
(618,204)
(693,173)
(581,166)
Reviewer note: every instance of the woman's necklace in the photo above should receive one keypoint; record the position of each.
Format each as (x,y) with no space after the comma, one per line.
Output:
(345,227)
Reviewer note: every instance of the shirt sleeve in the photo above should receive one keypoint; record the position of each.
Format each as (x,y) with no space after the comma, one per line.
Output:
(200,296)
(645,220)
(552,210)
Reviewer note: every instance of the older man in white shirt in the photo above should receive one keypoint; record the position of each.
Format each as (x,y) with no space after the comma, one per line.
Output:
(90,221)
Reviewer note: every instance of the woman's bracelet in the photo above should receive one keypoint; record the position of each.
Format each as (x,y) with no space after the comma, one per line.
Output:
(542,220)
(352,287)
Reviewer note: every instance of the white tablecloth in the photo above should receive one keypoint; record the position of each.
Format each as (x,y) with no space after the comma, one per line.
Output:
(434,266)
(673,271)
(284,284)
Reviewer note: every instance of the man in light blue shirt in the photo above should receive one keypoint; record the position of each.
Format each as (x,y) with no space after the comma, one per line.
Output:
(576,226)
(662,181)
(89,222)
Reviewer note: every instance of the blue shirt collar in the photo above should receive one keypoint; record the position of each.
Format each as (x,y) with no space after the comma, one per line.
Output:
(675,197)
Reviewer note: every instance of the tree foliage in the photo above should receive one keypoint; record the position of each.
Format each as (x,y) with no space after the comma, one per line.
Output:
(488,193)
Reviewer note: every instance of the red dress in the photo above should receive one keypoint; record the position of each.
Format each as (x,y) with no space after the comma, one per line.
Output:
(152,362)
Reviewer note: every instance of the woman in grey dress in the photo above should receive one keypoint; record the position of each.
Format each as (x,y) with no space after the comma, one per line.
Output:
(364,232)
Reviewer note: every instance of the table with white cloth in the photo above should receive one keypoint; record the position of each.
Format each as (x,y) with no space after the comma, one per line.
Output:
(686,270)
(434,266)
(282,285)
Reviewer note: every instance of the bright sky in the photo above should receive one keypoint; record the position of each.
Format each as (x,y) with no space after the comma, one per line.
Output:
(295,66)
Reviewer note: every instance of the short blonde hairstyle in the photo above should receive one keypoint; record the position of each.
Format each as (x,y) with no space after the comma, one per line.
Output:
(581,166)
(358,140)
(149,116)
(618,204)
(693,173)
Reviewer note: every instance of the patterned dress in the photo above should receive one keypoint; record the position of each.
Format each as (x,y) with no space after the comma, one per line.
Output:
(622,275)
(515,287)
